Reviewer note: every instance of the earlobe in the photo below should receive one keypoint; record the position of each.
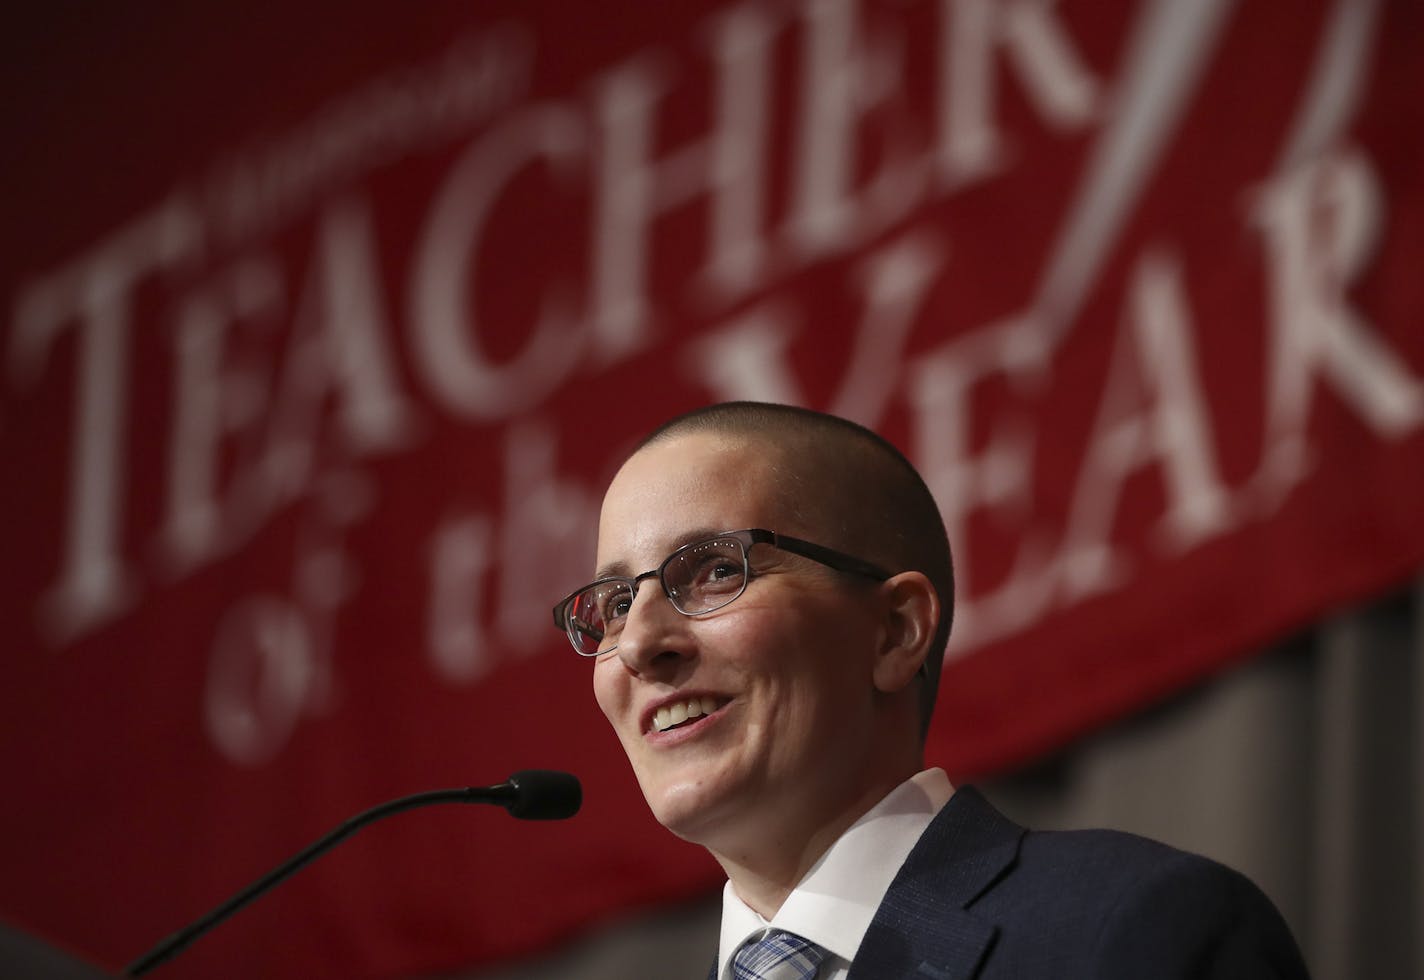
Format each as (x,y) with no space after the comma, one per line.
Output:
(911,613)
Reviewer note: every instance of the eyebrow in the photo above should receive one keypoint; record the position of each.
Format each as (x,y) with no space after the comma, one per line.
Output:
(621,569)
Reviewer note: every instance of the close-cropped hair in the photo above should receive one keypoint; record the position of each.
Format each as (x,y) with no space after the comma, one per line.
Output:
(851,488)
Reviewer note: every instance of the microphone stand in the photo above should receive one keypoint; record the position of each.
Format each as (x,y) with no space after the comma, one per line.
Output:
(546,795)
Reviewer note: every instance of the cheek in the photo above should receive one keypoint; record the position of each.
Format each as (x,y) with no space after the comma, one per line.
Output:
(825,668)
(607,691)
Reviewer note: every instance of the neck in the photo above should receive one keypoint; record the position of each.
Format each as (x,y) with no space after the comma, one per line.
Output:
(779,853)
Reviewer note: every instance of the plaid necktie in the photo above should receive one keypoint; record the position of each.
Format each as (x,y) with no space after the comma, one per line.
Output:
(777,956)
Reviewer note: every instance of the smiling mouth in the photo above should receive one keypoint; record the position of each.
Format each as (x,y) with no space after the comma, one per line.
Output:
(670,716)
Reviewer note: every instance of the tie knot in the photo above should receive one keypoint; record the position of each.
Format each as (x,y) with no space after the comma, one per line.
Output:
(777,956)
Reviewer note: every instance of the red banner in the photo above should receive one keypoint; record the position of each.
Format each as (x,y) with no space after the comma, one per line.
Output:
(323,332)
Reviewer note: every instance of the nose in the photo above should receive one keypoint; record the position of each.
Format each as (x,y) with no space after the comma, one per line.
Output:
(656,637)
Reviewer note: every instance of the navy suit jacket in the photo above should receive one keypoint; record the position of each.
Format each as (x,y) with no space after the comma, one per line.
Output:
(981,898)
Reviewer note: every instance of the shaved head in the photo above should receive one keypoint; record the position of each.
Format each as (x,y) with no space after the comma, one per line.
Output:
(847,488)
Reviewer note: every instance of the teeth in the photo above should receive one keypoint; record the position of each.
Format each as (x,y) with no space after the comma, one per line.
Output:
(675,714)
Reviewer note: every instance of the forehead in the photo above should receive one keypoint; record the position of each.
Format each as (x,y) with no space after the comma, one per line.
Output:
(674,490)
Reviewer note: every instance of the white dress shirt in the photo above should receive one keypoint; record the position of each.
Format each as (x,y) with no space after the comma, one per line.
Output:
(834,904)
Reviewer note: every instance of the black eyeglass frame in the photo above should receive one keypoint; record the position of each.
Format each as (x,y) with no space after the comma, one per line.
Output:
(747,537)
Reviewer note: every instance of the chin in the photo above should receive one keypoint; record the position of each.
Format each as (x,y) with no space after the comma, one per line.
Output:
(684,807)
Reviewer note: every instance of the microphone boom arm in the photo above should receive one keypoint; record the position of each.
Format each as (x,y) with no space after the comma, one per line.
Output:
(544,795)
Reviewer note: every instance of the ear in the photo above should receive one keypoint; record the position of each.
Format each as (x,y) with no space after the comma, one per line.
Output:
(911,615)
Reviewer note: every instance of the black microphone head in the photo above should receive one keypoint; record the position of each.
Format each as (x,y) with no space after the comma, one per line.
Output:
(545,794)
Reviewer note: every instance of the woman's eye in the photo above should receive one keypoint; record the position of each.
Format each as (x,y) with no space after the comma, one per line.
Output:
(721,573)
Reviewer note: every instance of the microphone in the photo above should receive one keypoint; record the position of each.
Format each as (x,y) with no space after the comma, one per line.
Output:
(532,794)
(542,794)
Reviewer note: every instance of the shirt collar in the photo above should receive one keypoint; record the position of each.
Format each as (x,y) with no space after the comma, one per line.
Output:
(835,902)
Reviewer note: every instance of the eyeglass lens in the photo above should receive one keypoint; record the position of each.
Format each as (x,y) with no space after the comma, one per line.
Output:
(698,578)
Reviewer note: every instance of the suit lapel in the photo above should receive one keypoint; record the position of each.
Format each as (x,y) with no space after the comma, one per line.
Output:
(924,927)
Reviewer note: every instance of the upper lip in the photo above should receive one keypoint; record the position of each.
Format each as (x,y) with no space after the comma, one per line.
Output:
(645,719)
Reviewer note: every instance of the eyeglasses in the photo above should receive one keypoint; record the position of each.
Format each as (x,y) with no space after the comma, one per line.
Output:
(697,578)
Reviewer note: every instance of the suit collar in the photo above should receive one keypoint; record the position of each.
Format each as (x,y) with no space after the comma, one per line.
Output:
(926,926)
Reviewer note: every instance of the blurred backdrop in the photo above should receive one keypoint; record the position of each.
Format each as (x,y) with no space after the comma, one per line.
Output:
(324,325)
